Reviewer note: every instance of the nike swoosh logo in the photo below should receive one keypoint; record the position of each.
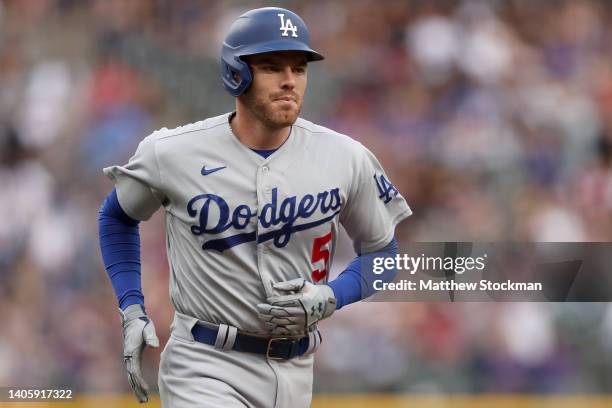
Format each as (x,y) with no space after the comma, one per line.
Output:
(209,171)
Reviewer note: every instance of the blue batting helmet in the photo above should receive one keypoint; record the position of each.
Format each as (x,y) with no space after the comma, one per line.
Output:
(257,31)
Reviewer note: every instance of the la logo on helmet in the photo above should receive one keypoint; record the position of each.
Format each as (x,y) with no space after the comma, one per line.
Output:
(287,26)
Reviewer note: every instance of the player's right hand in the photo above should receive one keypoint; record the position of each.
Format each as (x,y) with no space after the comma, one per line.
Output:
(138,332)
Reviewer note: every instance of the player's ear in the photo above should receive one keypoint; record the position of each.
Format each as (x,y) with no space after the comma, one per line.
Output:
(236,76)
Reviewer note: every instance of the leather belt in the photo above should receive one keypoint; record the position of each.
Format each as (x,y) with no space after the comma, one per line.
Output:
(274,348)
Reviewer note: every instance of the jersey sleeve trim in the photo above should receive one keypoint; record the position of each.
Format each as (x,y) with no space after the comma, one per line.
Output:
(362,248)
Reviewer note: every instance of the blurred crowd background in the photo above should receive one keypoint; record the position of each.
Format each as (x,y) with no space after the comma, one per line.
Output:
(493,118)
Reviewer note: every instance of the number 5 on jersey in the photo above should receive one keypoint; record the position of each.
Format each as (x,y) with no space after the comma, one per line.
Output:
(320,252)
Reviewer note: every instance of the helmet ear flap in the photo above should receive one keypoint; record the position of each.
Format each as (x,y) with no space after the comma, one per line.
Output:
(236,75)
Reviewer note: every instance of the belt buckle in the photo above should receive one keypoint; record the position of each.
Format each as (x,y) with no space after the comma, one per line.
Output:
(279,339)
(270,342)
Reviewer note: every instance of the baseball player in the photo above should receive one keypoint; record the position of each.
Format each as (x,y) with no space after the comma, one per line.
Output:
(253,203)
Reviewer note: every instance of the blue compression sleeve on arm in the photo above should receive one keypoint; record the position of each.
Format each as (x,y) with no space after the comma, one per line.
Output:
(356,281)
(120,248)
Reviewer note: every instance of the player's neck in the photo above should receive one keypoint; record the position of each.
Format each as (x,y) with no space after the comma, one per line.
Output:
(254,134)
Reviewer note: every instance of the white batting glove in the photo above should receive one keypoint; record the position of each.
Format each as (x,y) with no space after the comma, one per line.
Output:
(138,332)
(296,312)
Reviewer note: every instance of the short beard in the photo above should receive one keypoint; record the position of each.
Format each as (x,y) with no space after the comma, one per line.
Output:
(270,118)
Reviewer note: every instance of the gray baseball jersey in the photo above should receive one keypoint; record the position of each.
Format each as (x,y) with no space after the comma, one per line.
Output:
(237,222)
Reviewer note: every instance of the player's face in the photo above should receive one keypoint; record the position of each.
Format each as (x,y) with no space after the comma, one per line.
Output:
(277,91)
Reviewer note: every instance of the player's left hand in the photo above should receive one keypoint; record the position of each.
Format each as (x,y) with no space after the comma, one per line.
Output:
(303,306)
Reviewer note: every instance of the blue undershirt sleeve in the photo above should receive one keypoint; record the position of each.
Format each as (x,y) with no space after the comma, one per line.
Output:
(120,249)
(356,282)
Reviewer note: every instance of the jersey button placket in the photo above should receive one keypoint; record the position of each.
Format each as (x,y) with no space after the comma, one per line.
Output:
(265,170)
(264,191)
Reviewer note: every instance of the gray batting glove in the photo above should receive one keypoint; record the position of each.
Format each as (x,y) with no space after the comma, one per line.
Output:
(138,332)
(297,312)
